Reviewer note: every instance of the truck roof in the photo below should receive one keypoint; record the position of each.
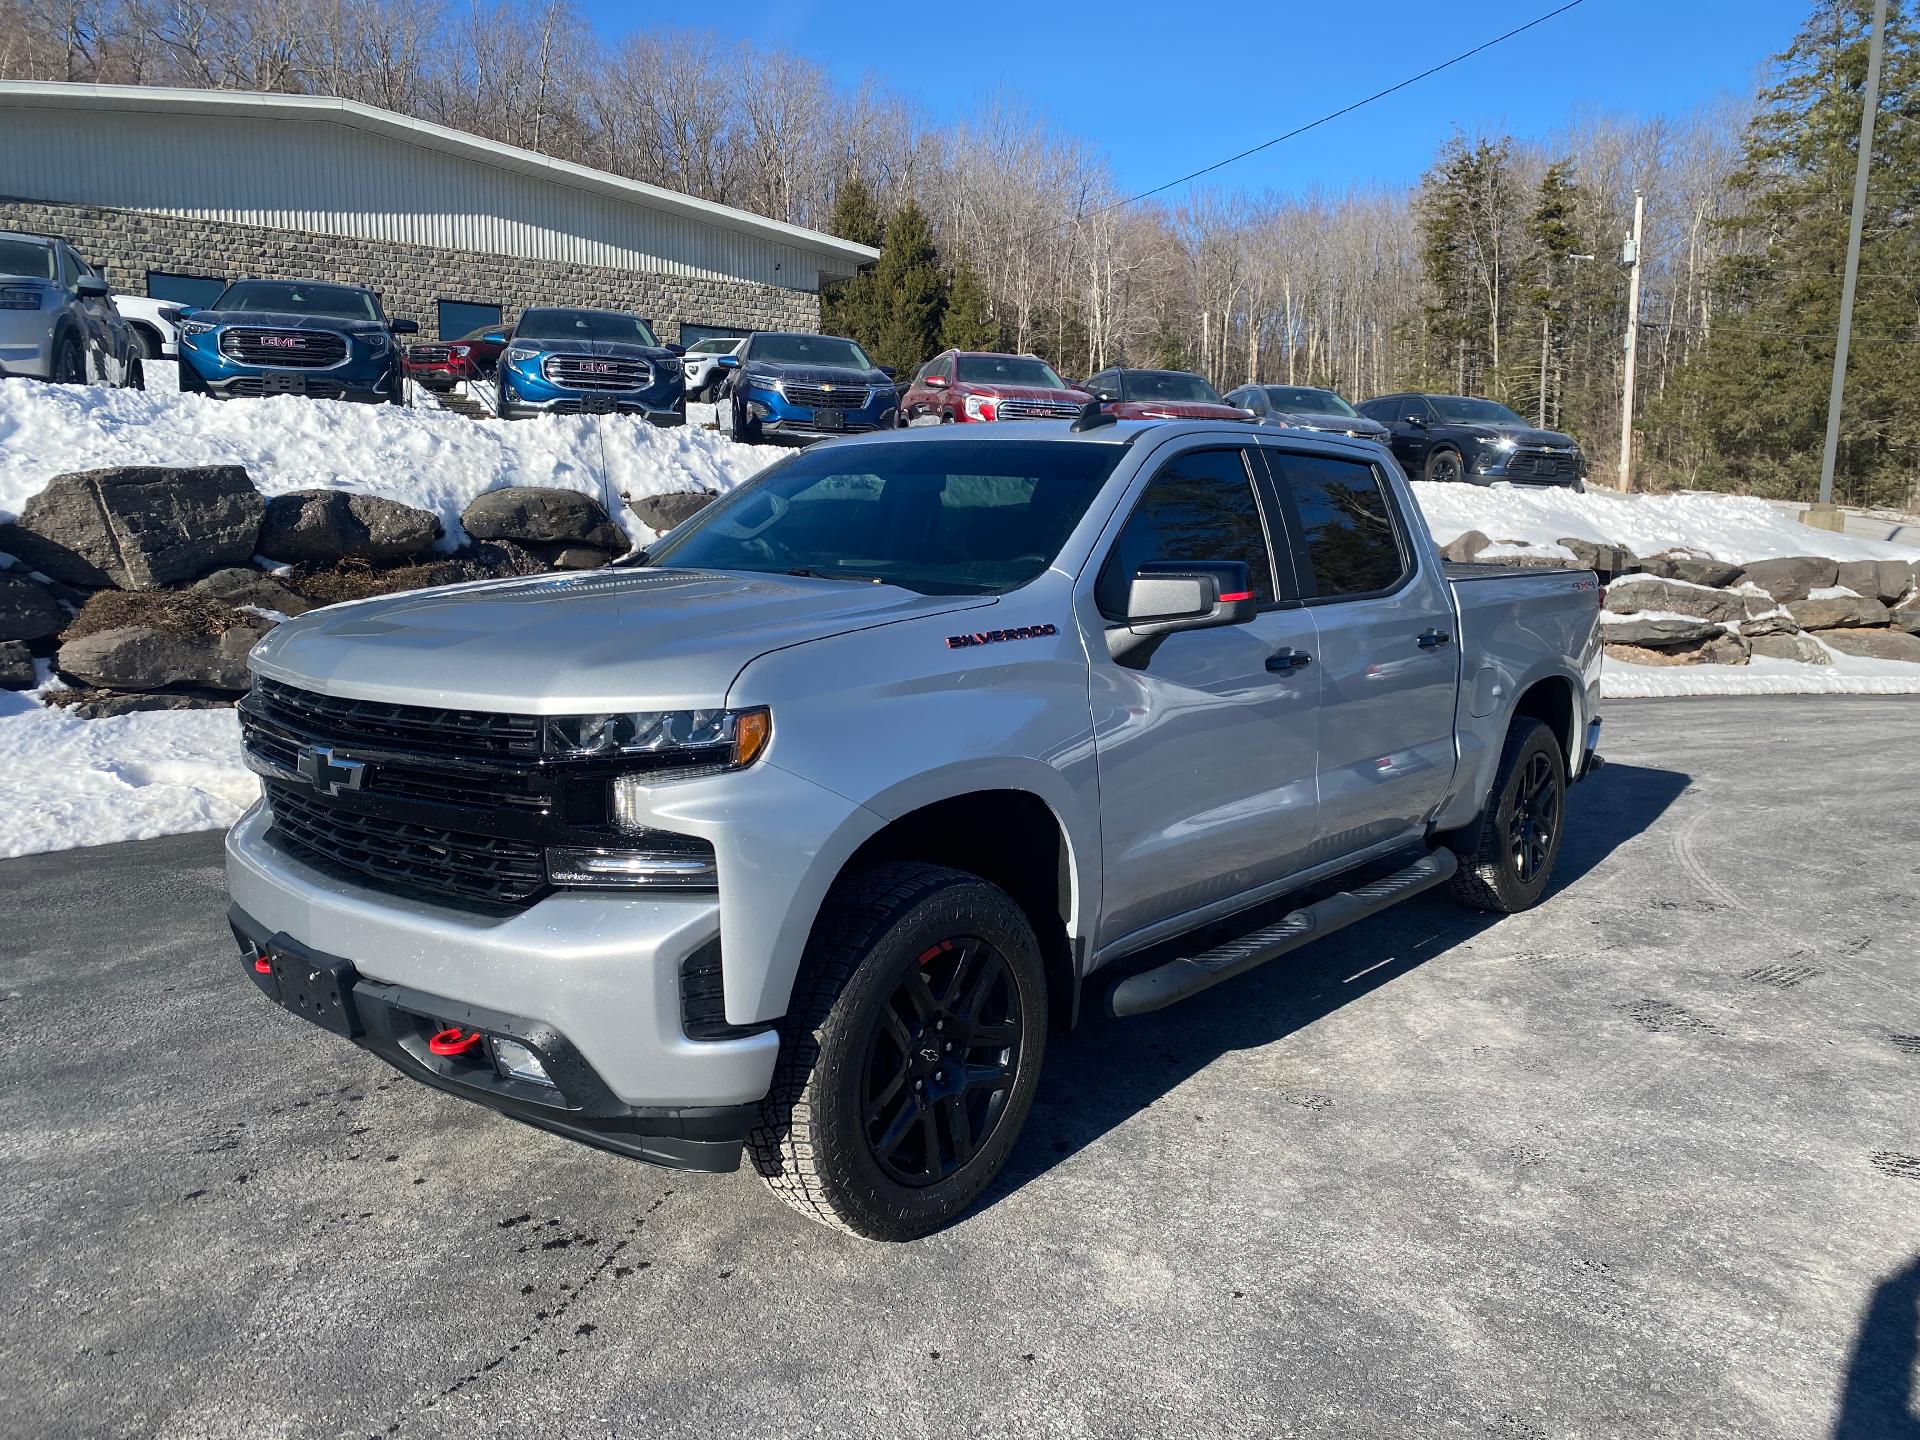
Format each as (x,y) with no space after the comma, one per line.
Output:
(1120,432)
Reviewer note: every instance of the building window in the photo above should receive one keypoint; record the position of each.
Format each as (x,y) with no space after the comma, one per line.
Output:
(691,334)
(184,289)
(463,317)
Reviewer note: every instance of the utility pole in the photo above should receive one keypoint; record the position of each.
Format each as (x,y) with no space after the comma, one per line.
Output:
(1870,103)
(1630,257)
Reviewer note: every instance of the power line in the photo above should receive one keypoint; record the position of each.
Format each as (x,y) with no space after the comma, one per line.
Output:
(1330,116)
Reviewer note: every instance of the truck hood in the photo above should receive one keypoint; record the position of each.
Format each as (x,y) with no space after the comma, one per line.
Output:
(575,644)
(604,349)
(1021,392)
(1347,424)
(1177,410)
(819,374)
(286,320)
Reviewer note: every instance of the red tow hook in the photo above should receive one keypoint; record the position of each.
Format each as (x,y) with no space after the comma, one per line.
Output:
(262,965)
(454,1041)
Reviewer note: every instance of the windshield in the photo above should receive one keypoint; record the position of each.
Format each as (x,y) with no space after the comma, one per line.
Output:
(823,350)
(26,257)
(583,325)
(1008,370)
(297,297)
(942,517)
(1458,410)
(1175,385)
(1307,401)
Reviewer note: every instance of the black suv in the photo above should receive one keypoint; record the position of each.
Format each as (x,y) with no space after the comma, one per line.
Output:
(1458,437)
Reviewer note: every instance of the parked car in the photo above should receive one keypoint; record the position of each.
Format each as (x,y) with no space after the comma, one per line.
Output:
(705,374)
(1162,395)
(1307,407)
(798,839)
(562,361)
(57,320)
(958,386)
(153,324)
(440,365)
(293,337)
(792,386)
(1459,437)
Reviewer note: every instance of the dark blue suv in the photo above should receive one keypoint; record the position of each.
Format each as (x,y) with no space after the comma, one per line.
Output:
(589,362)
(806,387)
(294,337)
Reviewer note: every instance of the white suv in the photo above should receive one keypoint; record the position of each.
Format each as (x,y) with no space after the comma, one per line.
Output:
(704,372)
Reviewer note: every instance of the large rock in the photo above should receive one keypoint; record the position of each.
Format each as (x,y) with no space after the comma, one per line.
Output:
(1603,559)
(27,610)
(321,527)
(1906,615)
(1875,644)
(1881,579)
(1463,548)
(660,513)
(1695,569)
(244,585)
(105,704)
(141,526)
(140,657)
(1779,623)
(1626,597)
(1795,646)
(530,513)
(1719,649)
(16,665)
(1792,577)
(1837,610)
(1658,631)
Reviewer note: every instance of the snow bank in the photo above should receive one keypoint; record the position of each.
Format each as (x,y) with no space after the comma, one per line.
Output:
(66,782)
(1733,528)
(421,455)
(1848,675)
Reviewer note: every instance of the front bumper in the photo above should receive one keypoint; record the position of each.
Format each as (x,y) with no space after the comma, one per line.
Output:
(778,417)
(26,343)
(525,390)
(601,969)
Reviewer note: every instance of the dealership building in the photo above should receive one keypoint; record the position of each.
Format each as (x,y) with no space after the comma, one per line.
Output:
(176,192)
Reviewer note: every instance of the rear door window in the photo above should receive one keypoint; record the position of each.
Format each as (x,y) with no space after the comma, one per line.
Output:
(1200,506)
(1347,542)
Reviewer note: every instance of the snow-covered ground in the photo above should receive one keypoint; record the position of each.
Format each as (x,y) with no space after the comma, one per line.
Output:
(67,782)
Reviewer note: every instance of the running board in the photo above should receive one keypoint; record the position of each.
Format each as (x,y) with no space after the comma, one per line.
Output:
(1177,979)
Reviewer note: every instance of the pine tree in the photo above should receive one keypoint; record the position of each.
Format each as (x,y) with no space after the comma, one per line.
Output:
(1553,237)
(1756,394)
(1466,215)
(846,307)
(909,293)
(968,323)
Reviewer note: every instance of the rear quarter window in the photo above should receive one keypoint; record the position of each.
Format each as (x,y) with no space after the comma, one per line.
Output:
(1347,539)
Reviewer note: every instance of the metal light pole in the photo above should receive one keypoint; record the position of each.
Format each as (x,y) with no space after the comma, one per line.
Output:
(1631,257)
(1870,103)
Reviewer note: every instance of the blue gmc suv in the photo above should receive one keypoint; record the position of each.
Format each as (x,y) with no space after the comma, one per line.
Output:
(589,362)
(805,387)
(294,337)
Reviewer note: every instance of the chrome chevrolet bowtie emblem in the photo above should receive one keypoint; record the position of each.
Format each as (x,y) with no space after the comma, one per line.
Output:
(330,772)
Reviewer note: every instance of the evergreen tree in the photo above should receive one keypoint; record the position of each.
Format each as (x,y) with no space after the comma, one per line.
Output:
(909,294)
(1554,236)
(846,307)
(1756,394)
(1468,250)
(968,323)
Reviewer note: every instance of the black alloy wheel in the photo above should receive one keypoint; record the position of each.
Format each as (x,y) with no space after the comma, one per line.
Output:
(69,361)
(941,1061)
(1444,467)
(1536,816)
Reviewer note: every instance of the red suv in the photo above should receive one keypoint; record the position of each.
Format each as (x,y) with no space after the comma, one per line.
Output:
(1163,395)
(963,385)
(443,364)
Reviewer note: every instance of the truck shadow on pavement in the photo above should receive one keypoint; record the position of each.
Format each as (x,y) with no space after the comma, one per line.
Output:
(1108,1070)
(1877,1401)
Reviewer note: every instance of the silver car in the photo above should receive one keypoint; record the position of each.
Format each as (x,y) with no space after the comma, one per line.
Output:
(57,320)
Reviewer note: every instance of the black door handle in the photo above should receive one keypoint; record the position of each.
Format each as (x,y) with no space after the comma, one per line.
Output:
(1432,639)
(1285,662)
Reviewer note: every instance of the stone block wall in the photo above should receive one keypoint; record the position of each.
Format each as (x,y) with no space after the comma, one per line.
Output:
(410,279)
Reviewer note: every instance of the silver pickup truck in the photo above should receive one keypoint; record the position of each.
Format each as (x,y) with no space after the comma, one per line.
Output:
(797,835)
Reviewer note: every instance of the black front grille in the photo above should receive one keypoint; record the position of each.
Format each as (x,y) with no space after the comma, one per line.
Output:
(703,1007)
(594,372)
(429,860)
(419,729)
(296,349)
(1541,465)
(1036,410)
(824,397)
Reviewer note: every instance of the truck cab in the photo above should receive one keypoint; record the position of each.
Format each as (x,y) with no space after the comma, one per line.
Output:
(795,838)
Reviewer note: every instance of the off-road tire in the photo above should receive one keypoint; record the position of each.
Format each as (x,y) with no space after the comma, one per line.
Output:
(1489,876)
(810,1144)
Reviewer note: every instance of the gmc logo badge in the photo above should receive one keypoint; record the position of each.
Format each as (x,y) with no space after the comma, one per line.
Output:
(282,342)
(994,637)
(595,367)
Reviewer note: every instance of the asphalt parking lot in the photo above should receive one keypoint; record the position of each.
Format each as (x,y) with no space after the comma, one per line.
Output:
(1644,1161)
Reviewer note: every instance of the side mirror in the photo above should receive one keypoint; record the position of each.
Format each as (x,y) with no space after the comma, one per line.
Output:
(494,337)
(728,362)
(1168,596)
(172,314)
(1415,422)
(936,382)
(679,352)
(92,287)
(404,327)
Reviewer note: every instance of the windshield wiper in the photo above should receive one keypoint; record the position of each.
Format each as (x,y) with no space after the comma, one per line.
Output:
(836,575)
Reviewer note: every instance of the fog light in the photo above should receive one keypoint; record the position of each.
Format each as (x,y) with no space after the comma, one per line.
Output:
(757,410)
(517,1062)
(667,862)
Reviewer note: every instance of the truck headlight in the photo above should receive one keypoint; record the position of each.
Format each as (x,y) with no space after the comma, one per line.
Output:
(376,342)
(978,407)
(1502,443)
(521,352)
(190,328)
(683,742)
(19,299)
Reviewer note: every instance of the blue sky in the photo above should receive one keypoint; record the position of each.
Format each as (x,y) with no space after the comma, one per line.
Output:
(1166,87)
